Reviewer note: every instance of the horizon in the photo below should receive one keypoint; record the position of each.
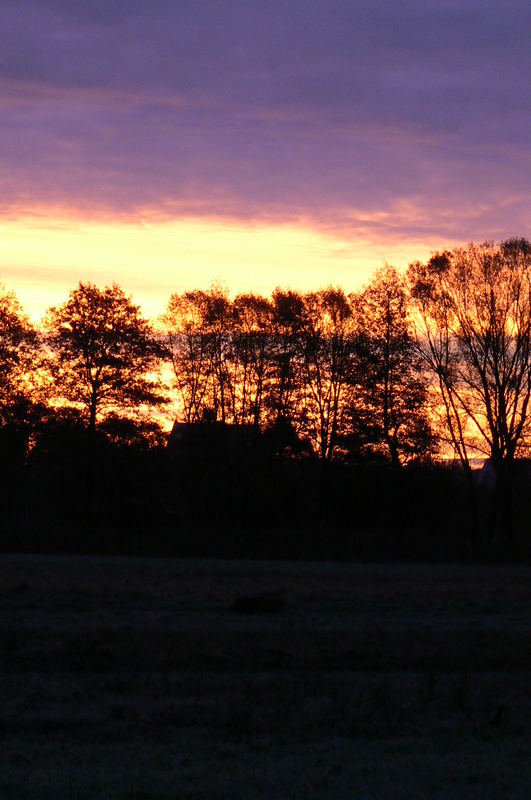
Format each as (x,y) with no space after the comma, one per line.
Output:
(325,260)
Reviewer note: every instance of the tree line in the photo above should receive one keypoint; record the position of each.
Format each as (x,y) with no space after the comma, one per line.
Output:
(430,366)
(338,376)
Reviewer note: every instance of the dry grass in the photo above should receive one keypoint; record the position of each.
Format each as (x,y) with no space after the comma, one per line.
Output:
(126,678)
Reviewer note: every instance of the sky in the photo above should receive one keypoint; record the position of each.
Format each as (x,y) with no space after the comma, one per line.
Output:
(168,144)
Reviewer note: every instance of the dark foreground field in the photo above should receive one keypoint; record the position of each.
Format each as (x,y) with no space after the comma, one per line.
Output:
(125,678)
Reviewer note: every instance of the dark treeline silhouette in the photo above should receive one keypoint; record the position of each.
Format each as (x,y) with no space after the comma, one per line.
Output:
(307,425)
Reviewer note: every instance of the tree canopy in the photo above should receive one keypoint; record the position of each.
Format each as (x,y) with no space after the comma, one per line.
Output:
(18,342)
(474,310)
(105,355)
(390,412)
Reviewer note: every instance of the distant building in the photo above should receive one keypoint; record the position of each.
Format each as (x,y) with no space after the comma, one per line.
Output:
(211,440)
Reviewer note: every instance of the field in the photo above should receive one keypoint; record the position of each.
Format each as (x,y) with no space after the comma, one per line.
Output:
(131,679)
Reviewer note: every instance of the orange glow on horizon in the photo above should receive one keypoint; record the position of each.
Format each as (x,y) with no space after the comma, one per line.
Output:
(43,257)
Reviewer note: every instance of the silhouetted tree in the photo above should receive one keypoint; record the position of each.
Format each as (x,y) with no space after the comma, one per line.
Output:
(474,311)
(21,405)
(18,343)
(200,329)
(218,324)
(284,391)
(327,345)
(191,353)
(389,411)
(251,348)
(133,434)
(104,354)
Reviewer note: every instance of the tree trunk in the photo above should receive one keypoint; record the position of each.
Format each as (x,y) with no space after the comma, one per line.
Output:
(92,414)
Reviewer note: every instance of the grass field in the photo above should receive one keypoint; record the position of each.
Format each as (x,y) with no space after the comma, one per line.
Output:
(132,679)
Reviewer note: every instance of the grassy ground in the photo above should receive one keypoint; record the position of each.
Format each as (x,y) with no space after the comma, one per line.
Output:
(132,679)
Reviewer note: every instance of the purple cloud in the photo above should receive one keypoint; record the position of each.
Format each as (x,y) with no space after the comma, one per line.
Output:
(387,119)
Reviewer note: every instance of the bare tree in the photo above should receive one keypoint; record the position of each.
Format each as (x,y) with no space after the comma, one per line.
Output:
(200,328)
(218,324)
(390,390)
(474,312)
(284,389)
(327,348)
(191,353)
(251,342)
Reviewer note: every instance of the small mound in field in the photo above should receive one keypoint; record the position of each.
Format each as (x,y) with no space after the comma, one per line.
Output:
(264,603)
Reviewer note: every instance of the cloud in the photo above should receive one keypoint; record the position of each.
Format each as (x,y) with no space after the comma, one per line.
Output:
(385,119)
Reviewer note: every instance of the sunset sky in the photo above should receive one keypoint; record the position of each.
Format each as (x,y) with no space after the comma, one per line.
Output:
(165,145)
